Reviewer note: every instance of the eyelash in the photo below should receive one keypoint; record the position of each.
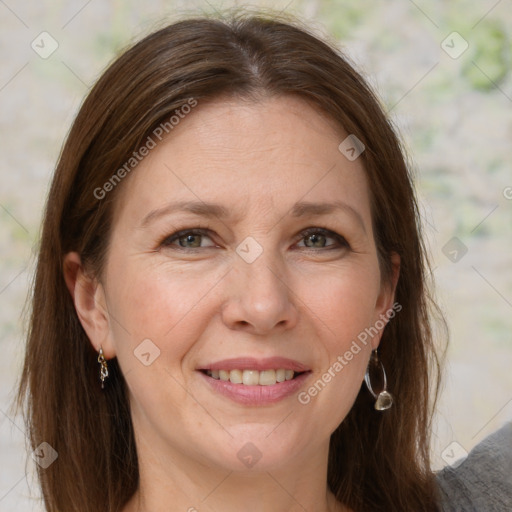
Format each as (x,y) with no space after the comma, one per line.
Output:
(168,240)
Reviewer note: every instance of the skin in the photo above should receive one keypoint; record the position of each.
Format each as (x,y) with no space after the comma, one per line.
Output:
(299,299)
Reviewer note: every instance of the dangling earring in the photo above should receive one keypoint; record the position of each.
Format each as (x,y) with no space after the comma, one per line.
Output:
(384,400)
(103,368)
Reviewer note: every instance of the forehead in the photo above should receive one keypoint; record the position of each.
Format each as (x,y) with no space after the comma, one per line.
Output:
(253,157)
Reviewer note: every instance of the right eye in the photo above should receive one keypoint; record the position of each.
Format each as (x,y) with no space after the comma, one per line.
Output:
(187,239)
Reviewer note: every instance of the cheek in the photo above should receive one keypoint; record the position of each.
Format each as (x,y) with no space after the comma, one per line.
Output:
(160,304)
(157,315)
(344,302)
(344,313)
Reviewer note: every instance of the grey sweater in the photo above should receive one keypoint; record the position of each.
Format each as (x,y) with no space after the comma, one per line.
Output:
(483,482)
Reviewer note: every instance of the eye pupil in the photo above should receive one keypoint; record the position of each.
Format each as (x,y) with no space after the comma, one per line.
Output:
(315,238)
(190,238)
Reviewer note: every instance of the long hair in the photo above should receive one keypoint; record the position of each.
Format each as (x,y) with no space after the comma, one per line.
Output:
(377,462)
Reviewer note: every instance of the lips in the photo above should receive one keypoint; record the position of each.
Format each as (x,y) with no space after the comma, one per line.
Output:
(256,395)
(251,381)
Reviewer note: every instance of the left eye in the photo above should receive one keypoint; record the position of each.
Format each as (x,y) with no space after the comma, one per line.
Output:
(318,237)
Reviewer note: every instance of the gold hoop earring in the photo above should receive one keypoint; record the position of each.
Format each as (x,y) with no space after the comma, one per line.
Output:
(103,368)
(384,400)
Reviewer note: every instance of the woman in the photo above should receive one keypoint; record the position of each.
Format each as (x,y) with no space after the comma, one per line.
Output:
(230,307)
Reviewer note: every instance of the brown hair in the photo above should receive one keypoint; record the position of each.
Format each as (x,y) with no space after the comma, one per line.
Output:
(377,461)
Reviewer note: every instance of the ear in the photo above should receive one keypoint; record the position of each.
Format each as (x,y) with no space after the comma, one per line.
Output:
(89,299)
(385,307)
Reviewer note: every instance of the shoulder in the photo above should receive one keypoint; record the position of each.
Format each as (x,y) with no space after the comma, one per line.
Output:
(483,482)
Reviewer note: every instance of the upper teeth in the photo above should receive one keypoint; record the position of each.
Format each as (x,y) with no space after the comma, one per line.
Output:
(252,377)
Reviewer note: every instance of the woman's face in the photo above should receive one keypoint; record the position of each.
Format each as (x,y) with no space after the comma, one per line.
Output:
(243,285)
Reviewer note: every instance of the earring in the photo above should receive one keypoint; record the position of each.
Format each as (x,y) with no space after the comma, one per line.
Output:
(384,400)
(103,368)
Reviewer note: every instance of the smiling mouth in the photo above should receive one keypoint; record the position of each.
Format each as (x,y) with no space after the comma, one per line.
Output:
(253,377)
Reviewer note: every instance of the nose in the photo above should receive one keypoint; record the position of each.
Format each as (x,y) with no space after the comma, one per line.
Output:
(259,299)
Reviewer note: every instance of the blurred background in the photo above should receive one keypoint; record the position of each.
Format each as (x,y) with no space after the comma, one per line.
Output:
(443,71)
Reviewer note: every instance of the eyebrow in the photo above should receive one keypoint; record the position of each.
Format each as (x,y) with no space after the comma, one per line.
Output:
(210,210)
